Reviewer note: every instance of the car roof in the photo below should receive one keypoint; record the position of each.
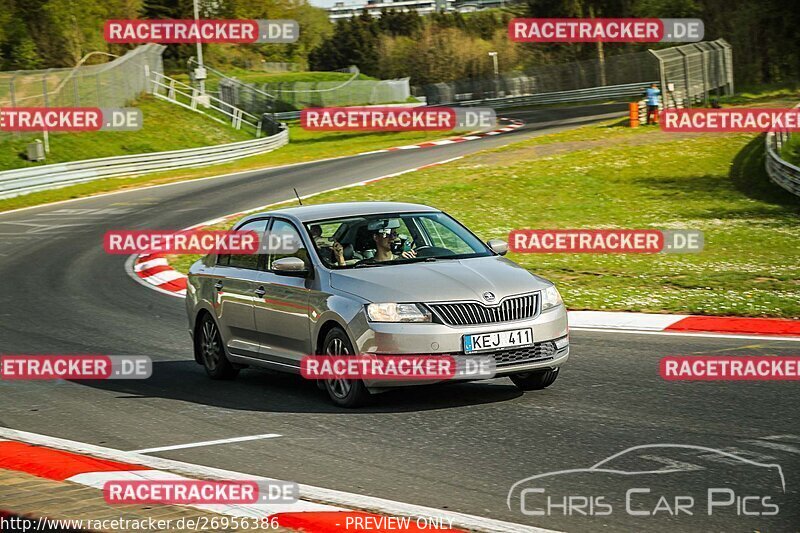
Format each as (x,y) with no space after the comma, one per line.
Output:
(310,213)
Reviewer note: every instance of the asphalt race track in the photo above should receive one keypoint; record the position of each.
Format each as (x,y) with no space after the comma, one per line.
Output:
(459,447)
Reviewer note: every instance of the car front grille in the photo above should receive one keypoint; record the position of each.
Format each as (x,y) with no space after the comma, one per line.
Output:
(538,352)
(474,313)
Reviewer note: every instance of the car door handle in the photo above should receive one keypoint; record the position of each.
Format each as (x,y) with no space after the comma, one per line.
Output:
(260,292)
(218,285)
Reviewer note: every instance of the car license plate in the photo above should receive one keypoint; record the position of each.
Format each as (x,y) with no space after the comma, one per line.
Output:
(498,340)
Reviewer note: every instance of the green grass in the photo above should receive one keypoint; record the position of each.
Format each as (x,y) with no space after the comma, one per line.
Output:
(303,146)
(790,151)
(638,178)
(186,129)
(760,93)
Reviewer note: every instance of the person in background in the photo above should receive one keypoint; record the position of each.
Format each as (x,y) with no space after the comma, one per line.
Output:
(652,96)
(336,249)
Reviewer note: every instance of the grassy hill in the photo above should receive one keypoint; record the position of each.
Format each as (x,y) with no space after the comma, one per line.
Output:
(166,127)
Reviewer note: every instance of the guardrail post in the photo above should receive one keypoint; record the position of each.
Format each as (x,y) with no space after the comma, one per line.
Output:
(703,67)
(686,77)
(147,87)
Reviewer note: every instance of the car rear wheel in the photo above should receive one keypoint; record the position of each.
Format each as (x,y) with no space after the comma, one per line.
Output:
(343,392)
(537,380)
(212,351)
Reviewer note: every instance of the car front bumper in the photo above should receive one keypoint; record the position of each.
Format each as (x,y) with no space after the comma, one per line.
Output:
(550,349)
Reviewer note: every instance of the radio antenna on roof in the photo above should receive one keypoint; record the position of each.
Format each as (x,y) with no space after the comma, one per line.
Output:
(298,196)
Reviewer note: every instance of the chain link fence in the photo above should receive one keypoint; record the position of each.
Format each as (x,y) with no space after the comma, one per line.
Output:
(297,95)
(278,97)
(111,84)
(694,70)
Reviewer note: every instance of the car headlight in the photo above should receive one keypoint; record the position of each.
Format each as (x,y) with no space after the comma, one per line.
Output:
(392,312)
(551,298)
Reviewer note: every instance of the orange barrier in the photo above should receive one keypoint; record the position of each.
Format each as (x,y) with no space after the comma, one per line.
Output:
(633,112)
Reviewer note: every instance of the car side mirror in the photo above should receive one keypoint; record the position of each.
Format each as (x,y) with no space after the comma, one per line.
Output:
(290,266)
(498,246)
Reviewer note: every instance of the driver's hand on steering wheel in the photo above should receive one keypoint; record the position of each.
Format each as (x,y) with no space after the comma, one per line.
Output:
(409,254)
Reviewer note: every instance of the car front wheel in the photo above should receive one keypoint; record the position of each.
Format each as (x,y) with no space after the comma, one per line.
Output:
(343,392)
(537,380)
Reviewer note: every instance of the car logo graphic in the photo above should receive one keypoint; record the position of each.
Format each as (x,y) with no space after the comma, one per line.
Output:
(603,468)
(488,296)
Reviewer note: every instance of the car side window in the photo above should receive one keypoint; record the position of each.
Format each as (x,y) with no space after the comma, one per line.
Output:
(249,261)
(285,236)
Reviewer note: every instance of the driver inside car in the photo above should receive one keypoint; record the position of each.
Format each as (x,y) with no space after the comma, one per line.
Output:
(388,243)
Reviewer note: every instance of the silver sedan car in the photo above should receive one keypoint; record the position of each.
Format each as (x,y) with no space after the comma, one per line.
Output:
(379,278)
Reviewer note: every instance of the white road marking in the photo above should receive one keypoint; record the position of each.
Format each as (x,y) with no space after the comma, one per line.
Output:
(790,438)
(611,320)
(207,443)
(673,464)
(731,336)
(773,445)
(307,492)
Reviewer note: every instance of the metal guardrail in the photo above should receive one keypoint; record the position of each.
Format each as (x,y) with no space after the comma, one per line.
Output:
(27,180)
(608,92)
(782,173)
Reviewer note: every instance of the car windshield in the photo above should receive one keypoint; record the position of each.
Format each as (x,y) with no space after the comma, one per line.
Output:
(396,238)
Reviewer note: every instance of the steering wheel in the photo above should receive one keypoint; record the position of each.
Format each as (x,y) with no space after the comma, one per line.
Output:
(429,251)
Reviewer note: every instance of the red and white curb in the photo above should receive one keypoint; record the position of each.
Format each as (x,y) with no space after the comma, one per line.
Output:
(155,272)
(685,324)
(318,510)
(513,124)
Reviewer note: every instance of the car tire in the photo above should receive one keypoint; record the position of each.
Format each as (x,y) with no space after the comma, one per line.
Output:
(211,348)
(343,392)
(537,380)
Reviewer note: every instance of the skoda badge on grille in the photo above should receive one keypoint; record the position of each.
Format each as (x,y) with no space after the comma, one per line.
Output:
(488,296)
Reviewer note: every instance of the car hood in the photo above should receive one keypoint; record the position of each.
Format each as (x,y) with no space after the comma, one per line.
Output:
(443,280)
